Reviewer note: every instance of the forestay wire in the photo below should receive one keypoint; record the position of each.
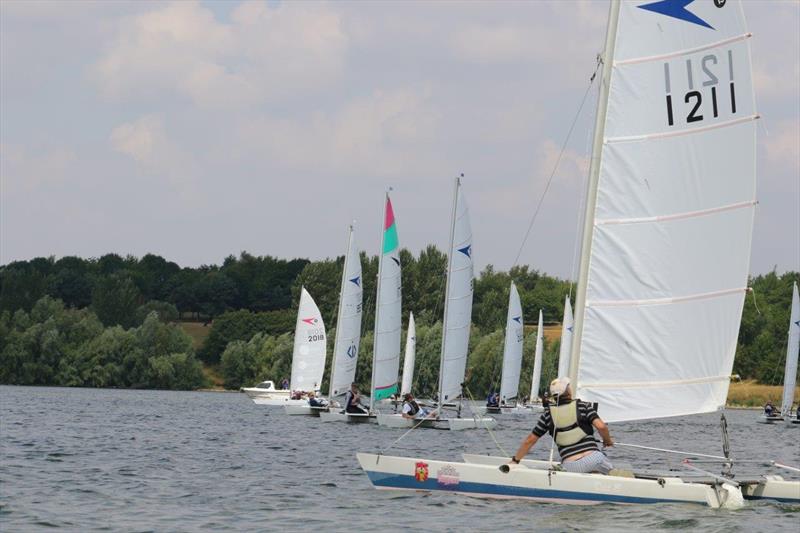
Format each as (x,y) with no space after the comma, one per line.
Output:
(558,160)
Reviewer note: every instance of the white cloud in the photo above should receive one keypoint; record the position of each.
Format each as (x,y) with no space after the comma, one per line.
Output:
(264,53)
(23,169)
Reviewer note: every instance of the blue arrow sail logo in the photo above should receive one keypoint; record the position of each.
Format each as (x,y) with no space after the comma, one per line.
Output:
(467,250)
(676,9)
(356,280)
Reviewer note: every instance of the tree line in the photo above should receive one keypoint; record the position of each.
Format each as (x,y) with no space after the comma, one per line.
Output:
(250,305)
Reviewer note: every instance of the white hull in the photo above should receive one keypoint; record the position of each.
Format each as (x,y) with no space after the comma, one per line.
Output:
(516,410)
(347,418)
(766,488)
(454,424)
(274,402)
(303,410)
(773,488)
(763,419)
(487,481)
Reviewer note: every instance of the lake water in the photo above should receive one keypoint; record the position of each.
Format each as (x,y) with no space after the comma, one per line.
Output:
(88,459)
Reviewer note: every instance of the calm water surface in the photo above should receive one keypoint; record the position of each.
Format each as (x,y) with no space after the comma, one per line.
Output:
(84,459)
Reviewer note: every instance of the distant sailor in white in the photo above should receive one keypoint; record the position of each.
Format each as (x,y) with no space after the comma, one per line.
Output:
(571,423)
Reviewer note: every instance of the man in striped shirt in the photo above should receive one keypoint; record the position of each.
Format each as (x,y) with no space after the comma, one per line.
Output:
(571,423)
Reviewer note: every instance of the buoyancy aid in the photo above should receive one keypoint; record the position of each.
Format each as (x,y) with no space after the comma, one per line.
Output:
(414,407)
(568,428)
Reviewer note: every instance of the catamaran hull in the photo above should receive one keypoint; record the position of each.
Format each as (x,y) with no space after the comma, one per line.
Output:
(272,402)
(453,424)
(303,410)
(763,419)
(487,481)
(347,418)
(773,488)
(506,411)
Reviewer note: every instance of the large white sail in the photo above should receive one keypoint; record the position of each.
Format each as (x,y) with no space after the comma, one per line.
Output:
(348,322)
(537,361)
(566,339)
(386,356)
(669,220)
(458,301)
(512,349)
(792,349)
(308,357)
(408,359)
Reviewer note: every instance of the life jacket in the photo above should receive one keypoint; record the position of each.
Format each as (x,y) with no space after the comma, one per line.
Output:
(569,429)
(414,408)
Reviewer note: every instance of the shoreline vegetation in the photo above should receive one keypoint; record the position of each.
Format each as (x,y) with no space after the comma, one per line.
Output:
(126,322)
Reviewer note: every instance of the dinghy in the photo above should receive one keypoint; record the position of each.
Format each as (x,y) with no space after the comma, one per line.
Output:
(512,360)
(348,334)
(308,356)
(565,348)
(386,347)
(790,370)
(664,257)
(534,403)
(455,330)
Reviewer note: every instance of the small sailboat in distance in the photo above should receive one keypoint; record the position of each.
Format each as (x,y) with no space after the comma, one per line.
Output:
(790,369)
(512,358)
(566,339)
(408,359)
(308,356)
(348,332)
(533,400)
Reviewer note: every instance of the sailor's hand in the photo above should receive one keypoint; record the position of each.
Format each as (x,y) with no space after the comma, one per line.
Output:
(608,443)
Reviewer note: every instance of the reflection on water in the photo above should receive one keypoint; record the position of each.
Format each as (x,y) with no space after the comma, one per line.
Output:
(138,460)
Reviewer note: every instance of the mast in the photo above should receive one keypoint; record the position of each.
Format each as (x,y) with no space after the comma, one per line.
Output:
(447,286)
(377,307)
(591,194)
(339,309)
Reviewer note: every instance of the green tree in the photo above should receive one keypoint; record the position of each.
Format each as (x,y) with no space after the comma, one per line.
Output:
(115,299)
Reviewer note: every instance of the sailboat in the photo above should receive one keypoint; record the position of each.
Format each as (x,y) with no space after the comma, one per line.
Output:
(408,358)
(664,257)
(534,402)
(308,356)
(564,350)
(790,370)
(455,329)
(512,358)
(348,331)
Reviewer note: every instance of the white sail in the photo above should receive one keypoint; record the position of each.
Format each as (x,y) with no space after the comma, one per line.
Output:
(386,355)
(566,339)
(792,349)
(669,219)
(408,359)
(537,361)
(348,322)
(512,349)
(458,301)
(308,357)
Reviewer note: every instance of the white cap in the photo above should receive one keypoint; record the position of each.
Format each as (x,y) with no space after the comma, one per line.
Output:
(559,385)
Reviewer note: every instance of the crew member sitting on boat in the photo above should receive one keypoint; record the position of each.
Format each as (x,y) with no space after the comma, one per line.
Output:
(313,401)
(411,409)
(572,424)
(352,402)
(769,409)
(492,400)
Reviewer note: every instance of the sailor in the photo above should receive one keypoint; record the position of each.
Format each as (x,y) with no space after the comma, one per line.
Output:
(572,424)
(769,409)
(313,401)
(352,401)
(492,399)
(411,409)
(284,384)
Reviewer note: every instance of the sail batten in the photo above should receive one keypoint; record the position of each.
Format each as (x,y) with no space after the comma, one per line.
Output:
(665,257)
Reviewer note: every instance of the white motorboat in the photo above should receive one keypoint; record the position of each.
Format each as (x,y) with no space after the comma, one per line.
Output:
(664,257)
(266,390)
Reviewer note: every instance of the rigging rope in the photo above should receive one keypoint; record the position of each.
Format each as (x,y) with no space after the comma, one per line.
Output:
(558,160)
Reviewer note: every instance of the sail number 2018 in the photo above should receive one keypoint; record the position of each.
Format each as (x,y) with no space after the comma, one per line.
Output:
(706,95)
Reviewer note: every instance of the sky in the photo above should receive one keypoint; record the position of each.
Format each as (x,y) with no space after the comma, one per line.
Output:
(196,130)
